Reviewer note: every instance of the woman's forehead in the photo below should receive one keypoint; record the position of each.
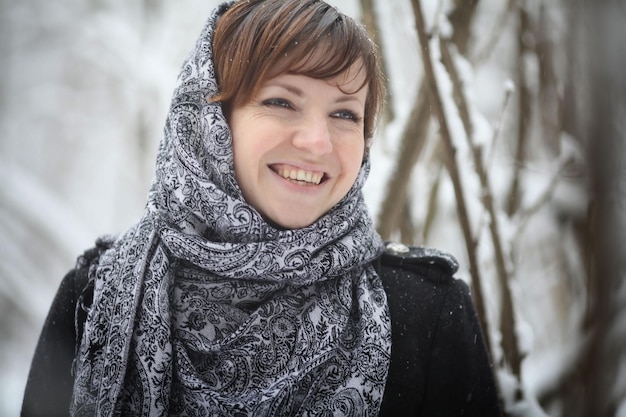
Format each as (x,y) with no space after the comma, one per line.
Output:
(349,83)
(315,65)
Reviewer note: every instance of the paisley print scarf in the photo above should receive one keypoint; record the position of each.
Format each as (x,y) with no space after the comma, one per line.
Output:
(204,309)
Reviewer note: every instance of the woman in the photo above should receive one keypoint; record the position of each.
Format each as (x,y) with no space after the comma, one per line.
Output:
(252,284)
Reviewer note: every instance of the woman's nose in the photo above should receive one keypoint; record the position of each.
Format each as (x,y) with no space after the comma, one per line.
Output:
(314,136)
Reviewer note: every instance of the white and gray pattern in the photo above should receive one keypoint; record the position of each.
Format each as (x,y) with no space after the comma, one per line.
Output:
(204,309)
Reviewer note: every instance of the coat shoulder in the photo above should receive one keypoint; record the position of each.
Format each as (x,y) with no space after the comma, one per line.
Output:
(432,264)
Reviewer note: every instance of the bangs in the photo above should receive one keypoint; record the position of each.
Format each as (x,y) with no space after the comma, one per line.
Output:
(324,50)
(322,59)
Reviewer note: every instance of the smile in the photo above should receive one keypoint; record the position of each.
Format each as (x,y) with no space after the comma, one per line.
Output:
(300,176)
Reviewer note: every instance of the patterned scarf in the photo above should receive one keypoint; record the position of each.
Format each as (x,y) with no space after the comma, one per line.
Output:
(205,309)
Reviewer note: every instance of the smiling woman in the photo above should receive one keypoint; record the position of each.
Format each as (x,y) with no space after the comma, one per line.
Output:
(299,144)
(255,283)
(302,89)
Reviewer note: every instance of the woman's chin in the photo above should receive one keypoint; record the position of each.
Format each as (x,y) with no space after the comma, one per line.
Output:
(290,221)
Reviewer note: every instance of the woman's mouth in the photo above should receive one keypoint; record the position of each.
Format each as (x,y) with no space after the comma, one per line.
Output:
(300,176)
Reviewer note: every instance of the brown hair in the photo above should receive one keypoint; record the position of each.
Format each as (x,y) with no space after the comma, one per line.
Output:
(307,37)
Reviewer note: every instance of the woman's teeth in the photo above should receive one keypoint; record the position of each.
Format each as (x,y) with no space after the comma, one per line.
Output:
(301,175)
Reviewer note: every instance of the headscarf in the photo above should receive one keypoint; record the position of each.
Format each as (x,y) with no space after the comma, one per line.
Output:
(203,308)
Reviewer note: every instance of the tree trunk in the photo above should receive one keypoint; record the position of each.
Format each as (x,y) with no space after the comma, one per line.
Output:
(595,391)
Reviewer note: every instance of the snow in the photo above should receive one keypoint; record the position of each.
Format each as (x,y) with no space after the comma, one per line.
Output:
(84,89)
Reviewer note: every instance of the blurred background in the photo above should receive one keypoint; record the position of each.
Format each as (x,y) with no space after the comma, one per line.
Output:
(503,144)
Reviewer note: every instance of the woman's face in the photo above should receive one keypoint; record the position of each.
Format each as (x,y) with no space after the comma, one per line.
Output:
(298,145)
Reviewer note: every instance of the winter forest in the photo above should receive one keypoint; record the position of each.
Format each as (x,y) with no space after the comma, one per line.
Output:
(502,143)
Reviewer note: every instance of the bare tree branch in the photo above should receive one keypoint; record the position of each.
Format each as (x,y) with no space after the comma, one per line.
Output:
(549,100)
(411,145)
(453,169)
(495,35)
(431,210)
(526,213)
(461,18)
(368,15)
(508,92)
(525,116)
(510,345)
(416,129)
(407,228)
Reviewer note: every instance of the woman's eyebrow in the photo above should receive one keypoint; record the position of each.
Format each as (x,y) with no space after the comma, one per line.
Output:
(343,98)
(347,97)
(292,89)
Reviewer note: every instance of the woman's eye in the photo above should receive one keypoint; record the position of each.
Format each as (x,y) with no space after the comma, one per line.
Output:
(278,102)
(346,115)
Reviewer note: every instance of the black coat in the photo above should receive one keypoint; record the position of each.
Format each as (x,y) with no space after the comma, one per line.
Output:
(439,361)
(439,364)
